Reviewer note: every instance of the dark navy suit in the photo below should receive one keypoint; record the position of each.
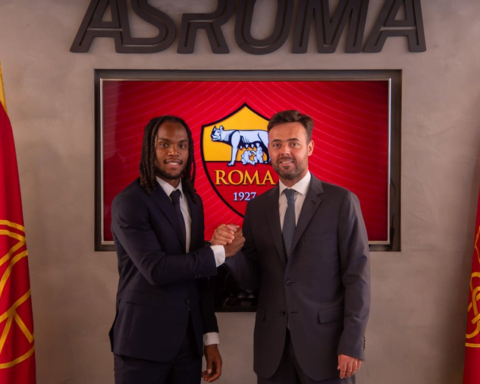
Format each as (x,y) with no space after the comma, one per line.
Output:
(161,288)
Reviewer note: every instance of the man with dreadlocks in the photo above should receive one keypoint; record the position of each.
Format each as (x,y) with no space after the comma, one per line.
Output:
(164,309)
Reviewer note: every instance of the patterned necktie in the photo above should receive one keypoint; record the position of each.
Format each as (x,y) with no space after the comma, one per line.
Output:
(175,196)
(289,220)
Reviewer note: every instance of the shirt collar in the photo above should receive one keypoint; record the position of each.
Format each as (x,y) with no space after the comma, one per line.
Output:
(301,186)
(168,187)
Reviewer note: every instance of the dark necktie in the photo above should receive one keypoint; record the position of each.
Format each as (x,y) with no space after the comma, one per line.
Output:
(289,220)
(175,196)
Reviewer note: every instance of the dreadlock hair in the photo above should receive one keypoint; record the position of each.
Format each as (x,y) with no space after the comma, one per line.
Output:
(148,156)
(292,116)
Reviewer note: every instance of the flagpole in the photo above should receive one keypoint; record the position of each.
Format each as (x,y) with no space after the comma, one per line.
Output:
(2,90)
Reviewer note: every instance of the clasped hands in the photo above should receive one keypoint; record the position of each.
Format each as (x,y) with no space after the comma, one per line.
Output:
(230,236)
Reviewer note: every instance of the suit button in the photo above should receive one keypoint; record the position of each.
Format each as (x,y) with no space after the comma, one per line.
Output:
(283,313)
(288,282)
(187,301)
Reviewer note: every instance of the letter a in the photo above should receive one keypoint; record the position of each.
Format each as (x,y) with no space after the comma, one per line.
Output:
(93,25)
(387,26)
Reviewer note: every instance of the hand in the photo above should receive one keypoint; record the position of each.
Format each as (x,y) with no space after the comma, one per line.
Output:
(214,363)
(236,245)
(348,365)
(224,234)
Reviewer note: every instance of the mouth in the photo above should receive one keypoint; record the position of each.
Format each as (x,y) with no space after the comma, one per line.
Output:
(286,161)
(173,163)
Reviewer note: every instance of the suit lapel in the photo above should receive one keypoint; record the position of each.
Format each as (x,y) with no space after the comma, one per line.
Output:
(165,204)
(310,205)
(273,221)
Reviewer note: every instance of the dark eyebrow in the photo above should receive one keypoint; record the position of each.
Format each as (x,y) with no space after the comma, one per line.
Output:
(292,139)
(165,139)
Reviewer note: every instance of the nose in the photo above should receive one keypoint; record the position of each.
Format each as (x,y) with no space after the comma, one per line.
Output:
(173,150)
(284,149)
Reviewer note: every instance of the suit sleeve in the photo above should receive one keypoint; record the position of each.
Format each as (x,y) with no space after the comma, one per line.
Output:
(207,308)
(355,265)
(133,231)
(244,266)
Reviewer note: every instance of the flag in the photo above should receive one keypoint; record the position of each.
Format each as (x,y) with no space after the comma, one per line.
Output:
(17,358)
(471,373)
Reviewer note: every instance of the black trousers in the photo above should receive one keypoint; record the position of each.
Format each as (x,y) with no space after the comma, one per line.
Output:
(289,371)
(184,368)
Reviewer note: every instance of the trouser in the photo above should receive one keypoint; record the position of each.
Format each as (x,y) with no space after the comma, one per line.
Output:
(184,368)
(289,371)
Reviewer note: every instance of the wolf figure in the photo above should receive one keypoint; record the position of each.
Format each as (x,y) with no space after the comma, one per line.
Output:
(239,139)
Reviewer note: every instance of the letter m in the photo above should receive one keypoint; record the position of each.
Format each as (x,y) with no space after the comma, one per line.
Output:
(329,29)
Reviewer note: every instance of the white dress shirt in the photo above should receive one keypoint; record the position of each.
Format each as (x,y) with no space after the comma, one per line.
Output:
(301,189)
(218,250)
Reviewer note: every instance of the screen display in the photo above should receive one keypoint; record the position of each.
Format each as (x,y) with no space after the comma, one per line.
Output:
(229,121)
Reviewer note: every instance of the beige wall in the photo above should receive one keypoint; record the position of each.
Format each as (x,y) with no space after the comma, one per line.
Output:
(418,317)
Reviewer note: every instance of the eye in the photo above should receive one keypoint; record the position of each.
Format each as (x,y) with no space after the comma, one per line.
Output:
(162,145)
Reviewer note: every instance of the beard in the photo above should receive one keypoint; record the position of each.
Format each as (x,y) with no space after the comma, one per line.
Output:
(166,175)
(289,174)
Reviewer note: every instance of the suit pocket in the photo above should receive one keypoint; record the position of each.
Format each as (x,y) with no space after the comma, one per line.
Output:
(330,314)
(143,298)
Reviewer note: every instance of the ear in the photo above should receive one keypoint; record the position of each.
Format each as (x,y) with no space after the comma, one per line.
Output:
(221,127)
(310,146)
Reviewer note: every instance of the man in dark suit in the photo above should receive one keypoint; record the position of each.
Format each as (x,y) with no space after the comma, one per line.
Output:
(164,309)
(306,250)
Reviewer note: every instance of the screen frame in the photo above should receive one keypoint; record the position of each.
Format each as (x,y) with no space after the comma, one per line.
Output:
(394,78)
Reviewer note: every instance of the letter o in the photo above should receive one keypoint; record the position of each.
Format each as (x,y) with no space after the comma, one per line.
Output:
(230,177)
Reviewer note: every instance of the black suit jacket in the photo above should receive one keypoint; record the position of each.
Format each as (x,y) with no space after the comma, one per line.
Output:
(159,285)
(324,287)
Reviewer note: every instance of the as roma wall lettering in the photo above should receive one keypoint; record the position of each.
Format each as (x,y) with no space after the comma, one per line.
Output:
(349,16)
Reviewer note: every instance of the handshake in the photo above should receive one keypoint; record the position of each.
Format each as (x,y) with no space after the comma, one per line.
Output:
(230,236)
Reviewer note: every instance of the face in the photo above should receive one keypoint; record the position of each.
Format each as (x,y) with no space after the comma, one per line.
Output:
(289,149)
(171,149)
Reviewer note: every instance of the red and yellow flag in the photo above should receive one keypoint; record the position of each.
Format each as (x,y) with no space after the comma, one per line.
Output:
(471,373)
(17,359)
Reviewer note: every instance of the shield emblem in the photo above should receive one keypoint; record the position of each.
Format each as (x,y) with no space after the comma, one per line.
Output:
(235,156)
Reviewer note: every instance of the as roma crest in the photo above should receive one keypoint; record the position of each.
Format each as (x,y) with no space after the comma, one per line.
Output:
(235,157)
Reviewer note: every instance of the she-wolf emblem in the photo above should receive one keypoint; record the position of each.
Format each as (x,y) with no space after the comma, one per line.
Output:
(239,139)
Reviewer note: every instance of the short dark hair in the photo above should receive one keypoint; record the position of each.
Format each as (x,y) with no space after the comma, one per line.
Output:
(148,156)
(292,116)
